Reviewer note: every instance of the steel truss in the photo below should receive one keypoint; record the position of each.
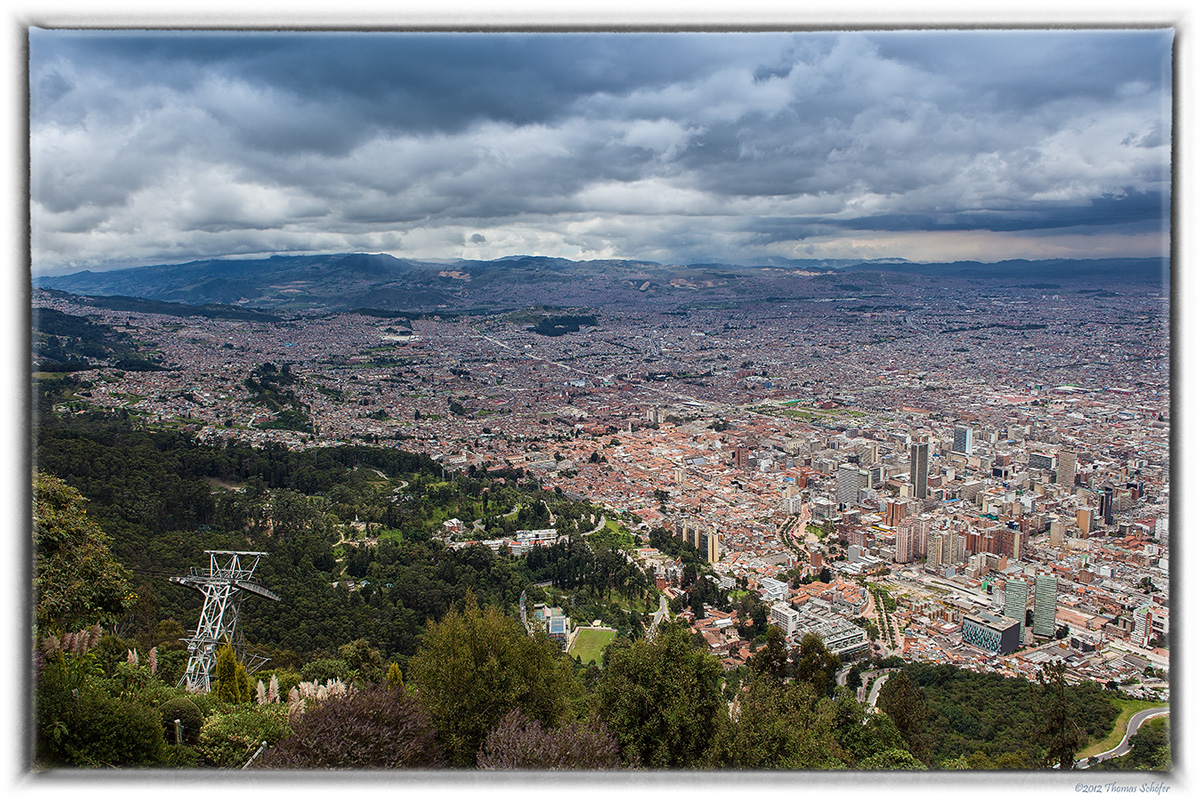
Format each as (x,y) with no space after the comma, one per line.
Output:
(229,575)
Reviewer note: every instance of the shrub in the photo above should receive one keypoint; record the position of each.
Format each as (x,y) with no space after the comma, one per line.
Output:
(519,742)
(188,713)
(324,669)
(180,755)
(375,727)
(228,739)
(101,731)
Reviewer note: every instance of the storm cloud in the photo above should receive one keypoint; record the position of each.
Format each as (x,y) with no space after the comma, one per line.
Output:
(150,147)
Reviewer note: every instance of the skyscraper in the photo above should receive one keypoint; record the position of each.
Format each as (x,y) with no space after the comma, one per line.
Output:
(1045,605)
(904,541)
(1016,598)
(964,440)
(1066,469)
(918,470)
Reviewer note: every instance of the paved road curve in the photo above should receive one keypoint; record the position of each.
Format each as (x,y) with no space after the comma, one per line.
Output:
(1135,722)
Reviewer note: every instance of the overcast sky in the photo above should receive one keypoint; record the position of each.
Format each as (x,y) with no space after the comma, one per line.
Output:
(159,147)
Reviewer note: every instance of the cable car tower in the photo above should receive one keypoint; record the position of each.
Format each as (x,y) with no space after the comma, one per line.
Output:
(229,574)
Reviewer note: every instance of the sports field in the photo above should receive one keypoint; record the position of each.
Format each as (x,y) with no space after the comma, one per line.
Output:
(589,644)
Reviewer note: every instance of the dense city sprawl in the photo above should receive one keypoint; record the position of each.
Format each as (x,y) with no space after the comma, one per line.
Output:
(972,477)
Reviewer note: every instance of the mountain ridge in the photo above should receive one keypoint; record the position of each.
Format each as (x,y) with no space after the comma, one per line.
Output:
(341,281)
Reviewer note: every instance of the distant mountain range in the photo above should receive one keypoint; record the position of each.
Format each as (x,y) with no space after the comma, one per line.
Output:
(357,280)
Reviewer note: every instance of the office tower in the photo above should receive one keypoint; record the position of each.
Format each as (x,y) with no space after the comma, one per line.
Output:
(741,458)
(918,470)
(958,548)
(1045,605)
(921,527)
(847,484)
(938,552)
(1106,505)
(904,542)
(1141,627)
(1066,470)
(1016,599)
(964,440)
(1083,518)
(1012,543)
(709,546)
(895,512)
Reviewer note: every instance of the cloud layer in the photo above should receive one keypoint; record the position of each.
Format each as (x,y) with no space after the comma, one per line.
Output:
(153,147)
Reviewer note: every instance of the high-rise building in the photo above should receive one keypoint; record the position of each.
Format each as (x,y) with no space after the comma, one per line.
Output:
(1083,518)
(958,548)
(1106,505)
(938,552)
(918,471)
(1045,605)
(964,440)
(905,549)
(848,484)
(741,457)
(921,527)
(709,546)
(895,511)
(1066,470)
(1141,627)
(990,632)
(1058,530)
(1016,599)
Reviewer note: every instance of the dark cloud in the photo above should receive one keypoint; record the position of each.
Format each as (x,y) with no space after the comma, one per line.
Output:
(672,146)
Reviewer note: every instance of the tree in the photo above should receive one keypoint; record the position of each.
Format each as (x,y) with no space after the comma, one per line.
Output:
(233,684)
(860,734)
(660,698)
(519,742)
(903,701)
(1060,734)
(375,727)
(814,664)
(476,665)
(774,726)
(364,660)
(772,658)
(77,580)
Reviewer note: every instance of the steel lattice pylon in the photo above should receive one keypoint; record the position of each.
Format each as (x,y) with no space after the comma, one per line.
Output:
(222,586)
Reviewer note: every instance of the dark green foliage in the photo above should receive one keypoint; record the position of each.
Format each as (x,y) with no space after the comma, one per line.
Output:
(1060,733)
(559,325)
(891,760)
(229,737)
(661,699)
(995,715)
(78,581)
(772,658)
(813,664)
(774,726)
(364,661)
(376,728)
(67,343)
(324,669)
(188,713)
(519,742)
(95,729)
(862,734)
(476,665)
(151,491)
(904,702)
(1150,749)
